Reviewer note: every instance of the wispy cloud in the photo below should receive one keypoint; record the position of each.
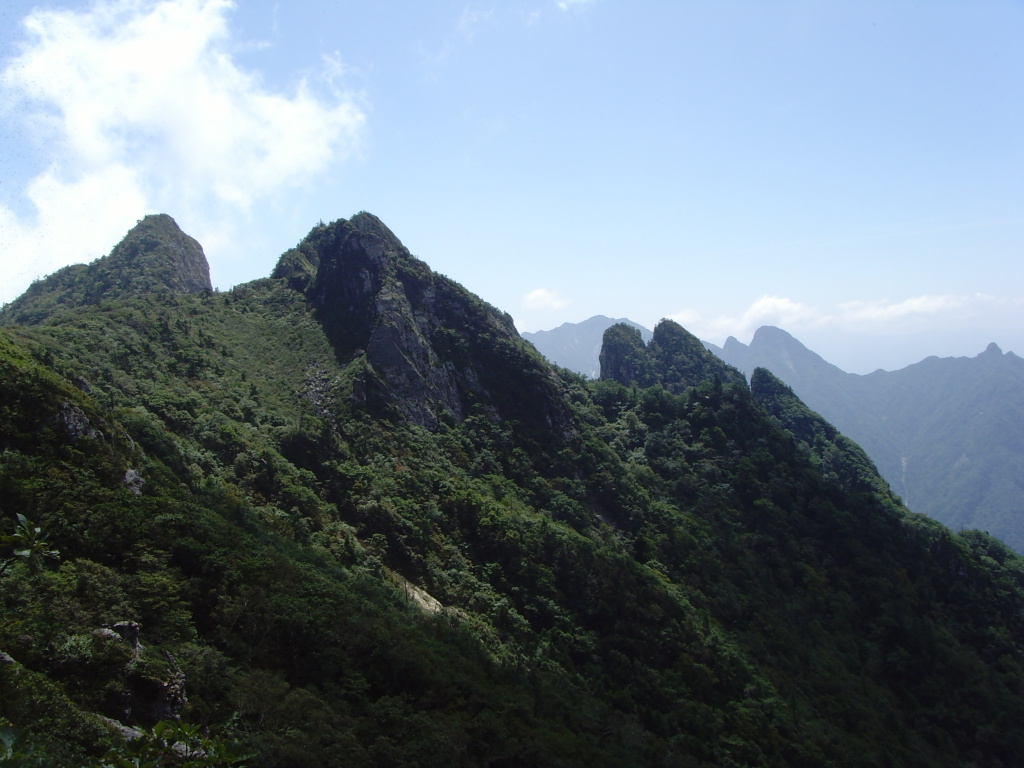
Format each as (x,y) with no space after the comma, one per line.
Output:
(767,310)
(573,5)
(544,299)
(887,311)
(139,106)
(889,316)
(469,23)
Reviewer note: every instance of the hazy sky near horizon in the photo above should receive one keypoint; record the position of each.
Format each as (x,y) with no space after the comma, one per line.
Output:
(850,172)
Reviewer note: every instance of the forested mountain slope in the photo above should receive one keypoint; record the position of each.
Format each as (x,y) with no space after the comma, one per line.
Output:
(346,516)
(946,433)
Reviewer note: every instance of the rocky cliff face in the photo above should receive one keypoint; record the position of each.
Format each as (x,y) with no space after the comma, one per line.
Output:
(679,582)
(624,355)
(154,257)
(430,349)
(675,358)
(577,346)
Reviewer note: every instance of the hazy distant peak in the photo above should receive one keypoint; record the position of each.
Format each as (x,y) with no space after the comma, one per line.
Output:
(577,346)
(769,335)
(597,322)
(734,346)
(993,349)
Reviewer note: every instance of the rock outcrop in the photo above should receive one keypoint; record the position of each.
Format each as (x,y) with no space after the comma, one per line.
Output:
(430,349)
(675,358)
(154,257)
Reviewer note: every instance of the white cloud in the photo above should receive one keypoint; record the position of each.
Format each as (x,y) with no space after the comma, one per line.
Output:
(778,310)
(544,299)
(767,310)
(569,5)
(888,317)
(68,230)
(882,311)
(140,107)
(470,21)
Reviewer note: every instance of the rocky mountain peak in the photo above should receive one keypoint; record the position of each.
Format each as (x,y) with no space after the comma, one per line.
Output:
(429,348)
(993,350)
(674,358)
(770,335)
(367,224)
(154,257)
(577,346)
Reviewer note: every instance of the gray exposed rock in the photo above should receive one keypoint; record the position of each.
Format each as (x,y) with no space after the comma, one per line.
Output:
(319,390)
(126,732)
(174,694)
(134,482)
(428,349)
(129,631)
(76,423)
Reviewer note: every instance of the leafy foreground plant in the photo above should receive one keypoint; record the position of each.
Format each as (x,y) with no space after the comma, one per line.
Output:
(28,541)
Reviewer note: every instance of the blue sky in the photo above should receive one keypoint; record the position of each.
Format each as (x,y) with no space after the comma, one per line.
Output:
(851,172)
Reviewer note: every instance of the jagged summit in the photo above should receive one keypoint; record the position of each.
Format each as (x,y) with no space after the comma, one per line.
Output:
(675,358)
(430,348)
(154,257)
(577,346)
(772,347)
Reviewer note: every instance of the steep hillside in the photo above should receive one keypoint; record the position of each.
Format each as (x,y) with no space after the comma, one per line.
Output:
(946,433)
(345,516)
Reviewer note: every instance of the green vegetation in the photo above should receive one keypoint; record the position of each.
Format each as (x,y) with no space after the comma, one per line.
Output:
(675,359)
(274,541)
(155,257)
(945,433)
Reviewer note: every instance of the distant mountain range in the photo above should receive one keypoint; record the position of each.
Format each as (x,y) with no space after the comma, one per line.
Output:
(577,346)
(947,434)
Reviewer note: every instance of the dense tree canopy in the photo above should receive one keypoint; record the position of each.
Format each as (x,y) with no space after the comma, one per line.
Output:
(664,567)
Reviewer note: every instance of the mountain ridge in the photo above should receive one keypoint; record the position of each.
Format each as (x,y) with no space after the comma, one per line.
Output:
(941,430)
(313,552)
